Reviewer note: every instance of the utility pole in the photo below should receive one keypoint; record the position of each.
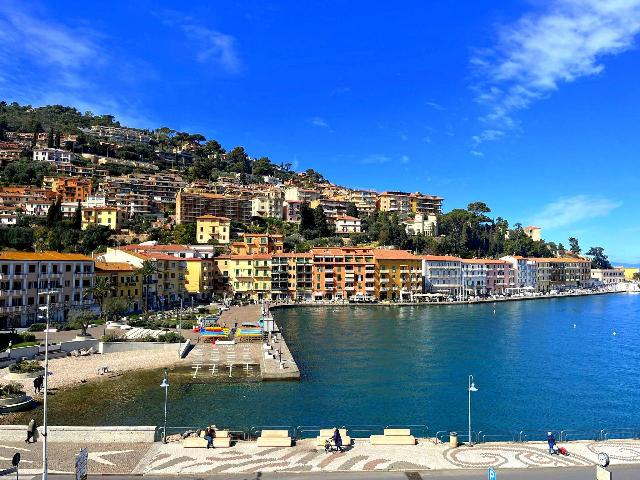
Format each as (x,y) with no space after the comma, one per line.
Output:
(180,328)
(45,457)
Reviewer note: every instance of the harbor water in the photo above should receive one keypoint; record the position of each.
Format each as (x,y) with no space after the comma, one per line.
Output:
(567,363)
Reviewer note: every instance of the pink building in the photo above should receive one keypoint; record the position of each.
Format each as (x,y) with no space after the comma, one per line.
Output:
(500,276)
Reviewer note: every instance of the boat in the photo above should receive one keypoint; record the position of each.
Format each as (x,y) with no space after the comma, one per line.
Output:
(15,403)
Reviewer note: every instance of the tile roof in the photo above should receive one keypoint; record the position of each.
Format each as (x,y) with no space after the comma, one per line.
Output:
(115,267)
(44,256)
(387,254)
(436,258)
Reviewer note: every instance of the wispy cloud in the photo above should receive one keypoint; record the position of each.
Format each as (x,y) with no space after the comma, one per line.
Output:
(319,122)
(404,159)
(571,210)
(434,105)
(542,50)
(46,62)
(210,45)
(375,159)
(476,153)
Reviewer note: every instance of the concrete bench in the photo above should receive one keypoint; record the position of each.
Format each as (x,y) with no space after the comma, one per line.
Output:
(222,439)
(326,434)
(194,442)
(274,438)
(394,436)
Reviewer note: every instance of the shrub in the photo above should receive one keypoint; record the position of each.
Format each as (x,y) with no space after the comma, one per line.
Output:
(25,366)
(11,389)
(112,338)
(28,337)
(37,327)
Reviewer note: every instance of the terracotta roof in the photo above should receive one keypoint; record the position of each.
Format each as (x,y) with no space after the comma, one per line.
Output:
(347,217)
(293,255)
(342,251)
(254,256)
(561,260)
(213,217)
(157,248)
(385,254)
(44,256)
(115,267)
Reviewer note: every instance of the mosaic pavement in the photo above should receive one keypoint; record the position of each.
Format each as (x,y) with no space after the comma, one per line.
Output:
(246,457)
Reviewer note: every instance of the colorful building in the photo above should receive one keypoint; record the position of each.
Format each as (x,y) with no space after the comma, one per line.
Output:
(126,282)
(212,229)
(398,275)
(343,273)
(251,243)
(111,217)
(442,274)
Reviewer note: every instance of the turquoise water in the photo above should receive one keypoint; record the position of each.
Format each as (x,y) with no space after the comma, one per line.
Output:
(410,365)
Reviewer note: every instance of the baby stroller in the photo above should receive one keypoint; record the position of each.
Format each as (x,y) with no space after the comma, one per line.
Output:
(560,450)
(329,446)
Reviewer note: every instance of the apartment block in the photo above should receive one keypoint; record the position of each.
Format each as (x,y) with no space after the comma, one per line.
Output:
(608,276)
(160,188)
(364,200)
(347,225)
(69,189)
(111,217)
(300,276)
(526,271)
(501,277)
(474,277)
(398,275)
(26,279)
(252,243)
(421,224)
(9,152)
(343,273)
(406,203)
(291,211)
(53,155)
(212,229)
(332,208)
(558,273)
(267,205)
(250,276)
(299,194)
(126,282)
(193,204)
(442,274)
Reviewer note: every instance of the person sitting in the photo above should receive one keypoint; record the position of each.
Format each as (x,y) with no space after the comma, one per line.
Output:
(551,440)
(209,434)
(337,440)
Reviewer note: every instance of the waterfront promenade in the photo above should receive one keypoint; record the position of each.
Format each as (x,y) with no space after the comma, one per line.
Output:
(247,458)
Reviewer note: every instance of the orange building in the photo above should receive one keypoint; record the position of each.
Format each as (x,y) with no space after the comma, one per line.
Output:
(343,273)
(252,243)
(71,189)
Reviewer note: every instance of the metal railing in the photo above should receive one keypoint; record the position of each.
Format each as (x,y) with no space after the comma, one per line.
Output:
(482,437)
(606,434)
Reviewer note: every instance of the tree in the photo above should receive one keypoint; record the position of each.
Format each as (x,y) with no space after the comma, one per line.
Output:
(561,248)
(56,140)
(147,272)
(95,238)
(598,258)
(352,210)
(77,218)
(50,138)
(478,208)
(574,246)
(636,276)
(100,290)
(307,222)
(320,222)
(185,234)
(81,319)
(115,307)
(54,214)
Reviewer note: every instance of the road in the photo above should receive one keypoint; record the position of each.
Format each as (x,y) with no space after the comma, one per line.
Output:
(622,472)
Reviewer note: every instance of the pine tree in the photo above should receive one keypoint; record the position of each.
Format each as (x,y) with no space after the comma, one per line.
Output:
(50,139)
(77,219)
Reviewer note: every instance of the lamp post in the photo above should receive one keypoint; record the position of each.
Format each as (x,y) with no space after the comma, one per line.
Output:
(165,385)
(180,328)
(472,388)
(45,456)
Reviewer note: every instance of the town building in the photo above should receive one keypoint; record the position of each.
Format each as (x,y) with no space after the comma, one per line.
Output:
(398,275)
(253,243)
(26,279)
(442,274)
(69,189)
(560,273)
(533,232)
(9,152)
(347,225)
(299,194)
(608,276)
(192,204)
(421,224)
(526,271)
(53,155)
(300,277)
(250,276)
(212,229)
(268,204)
(364,200)
(159,188)
(126,282)
(474,277)
(346,273)
(501,277)
(406,203)
(291,211)
(332,208)
(630,272)
(111,217)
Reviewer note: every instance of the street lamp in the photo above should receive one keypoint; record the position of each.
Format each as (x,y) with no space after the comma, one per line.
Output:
(165,385)
(472,388)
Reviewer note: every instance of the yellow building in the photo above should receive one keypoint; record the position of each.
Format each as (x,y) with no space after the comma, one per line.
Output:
(249,275)
(125,280)
(258,243)
(398,274)
(212,229)
(204,278)
(630,272)
(111,217)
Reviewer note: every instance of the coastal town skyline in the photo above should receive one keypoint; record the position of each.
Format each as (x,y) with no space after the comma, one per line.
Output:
(433,137)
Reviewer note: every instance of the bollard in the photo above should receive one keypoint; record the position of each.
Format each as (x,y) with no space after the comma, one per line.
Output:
(453,439)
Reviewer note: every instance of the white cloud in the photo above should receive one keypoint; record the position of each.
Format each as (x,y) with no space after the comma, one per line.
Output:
(434,105)
(375,158)
(404,159)
(487,135)
(540,51)
(211,45)
(319,122)
(476,153)
(571,210)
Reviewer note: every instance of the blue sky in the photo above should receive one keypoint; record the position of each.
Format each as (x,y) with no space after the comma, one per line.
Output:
(530,106)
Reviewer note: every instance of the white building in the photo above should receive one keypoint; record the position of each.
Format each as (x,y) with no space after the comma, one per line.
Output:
(54,155)
(526,270)
(298,194)
(608,276)
(442,274)
(347,224)
(422,225)
(269,205)
(474,277)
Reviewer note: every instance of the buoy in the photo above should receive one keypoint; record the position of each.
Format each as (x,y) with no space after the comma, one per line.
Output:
(494,311)
(614,333)
(574,325)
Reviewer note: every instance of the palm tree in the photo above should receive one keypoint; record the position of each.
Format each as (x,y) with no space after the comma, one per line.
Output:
(147,271)
(100,290)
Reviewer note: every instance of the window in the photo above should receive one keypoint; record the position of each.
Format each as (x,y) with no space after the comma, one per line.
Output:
(32,268)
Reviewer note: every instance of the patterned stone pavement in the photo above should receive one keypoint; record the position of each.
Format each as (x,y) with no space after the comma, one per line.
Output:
(246,457)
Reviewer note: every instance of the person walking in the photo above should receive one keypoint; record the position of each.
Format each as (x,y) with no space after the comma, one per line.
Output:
(31,431)
(337,440)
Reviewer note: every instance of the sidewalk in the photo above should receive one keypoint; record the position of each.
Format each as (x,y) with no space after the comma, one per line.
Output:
(247,457)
